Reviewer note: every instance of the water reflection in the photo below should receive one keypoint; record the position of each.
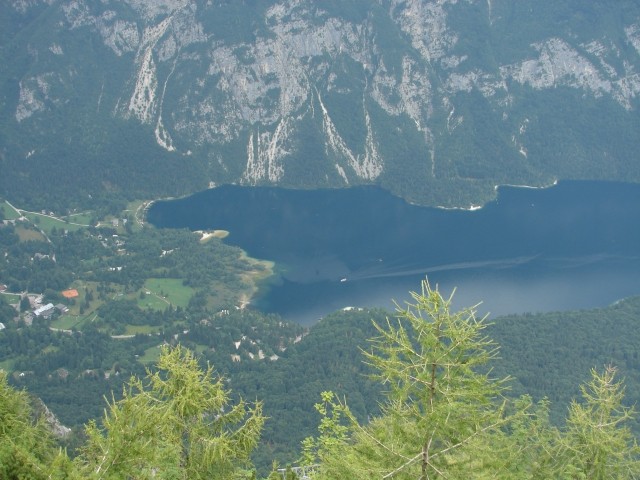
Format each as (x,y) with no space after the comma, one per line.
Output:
(576,245)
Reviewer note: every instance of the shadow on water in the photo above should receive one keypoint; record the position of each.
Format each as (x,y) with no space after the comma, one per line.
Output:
(575,245)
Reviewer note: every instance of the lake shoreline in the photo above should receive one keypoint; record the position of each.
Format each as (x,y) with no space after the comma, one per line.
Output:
(469,208)
(379,242)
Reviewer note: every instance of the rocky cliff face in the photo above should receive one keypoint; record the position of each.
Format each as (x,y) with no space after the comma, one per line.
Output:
(437,100)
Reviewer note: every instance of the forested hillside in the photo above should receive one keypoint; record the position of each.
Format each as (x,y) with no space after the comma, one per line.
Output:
(436,101)
(548,355)
(443,414)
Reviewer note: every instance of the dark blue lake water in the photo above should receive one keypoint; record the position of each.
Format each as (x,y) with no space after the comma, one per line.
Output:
(575,245)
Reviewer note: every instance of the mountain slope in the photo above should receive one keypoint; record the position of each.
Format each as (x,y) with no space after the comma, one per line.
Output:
(437,101)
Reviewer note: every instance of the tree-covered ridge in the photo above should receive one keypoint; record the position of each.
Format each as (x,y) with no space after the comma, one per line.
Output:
(443,415)
(435,101)
(550,354)
(327,358)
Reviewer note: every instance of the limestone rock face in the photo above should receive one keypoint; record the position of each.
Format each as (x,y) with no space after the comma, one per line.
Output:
(427,98)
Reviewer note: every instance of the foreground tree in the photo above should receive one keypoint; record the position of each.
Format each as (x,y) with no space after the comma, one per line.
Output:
(176,424)
(598,443)
(441,402)
(445,417)
(26,447)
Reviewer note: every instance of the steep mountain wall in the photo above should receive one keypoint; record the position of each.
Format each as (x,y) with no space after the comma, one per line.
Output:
(437,101)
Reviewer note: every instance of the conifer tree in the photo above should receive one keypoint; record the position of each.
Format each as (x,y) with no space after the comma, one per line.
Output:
(176,424)
(598,443)
(26,446)
(445,417)
(440,399)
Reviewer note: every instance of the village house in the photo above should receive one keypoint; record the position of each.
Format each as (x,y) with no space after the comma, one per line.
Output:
(45,311)
(62,308)
(36,300)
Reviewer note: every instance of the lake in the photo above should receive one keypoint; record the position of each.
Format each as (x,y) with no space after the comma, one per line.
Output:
(574,245)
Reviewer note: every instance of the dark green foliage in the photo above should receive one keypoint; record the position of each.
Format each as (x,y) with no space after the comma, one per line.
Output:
(327,358)
(7,312)
(126,312)
(448,143)
(549,354)
(69,371)
(26,447)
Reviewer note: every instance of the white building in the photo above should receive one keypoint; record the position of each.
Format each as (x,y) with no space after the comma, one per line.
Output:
(44,311)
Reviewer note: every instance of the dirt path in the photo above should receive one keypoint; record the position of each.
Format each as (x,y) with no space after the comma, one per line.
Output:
(142,208)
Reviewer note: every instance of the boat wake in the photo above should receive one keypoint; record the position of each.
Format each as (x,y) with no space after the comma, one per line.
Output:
(381,271)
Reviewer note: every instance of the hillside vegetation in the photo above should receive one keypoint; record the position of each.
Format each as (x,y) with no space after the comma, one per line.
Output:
(442,415)
(139,288)
(437,102)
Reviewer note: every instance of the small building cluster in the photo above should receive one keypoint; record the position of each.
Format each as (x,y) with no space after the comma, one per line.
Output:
(47,311)
(44,311)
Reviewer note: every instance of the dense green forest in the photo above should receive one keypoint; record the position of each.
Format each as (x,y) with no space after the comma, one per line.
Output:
(443,413)
(69,372)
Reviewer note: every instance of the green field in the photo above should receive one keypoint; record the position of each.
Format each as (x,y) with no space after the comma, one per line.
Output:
(10,298)
(9,213)
(7,365)
(201,348)
(137,210)
(142,329)
(153,302)
(151,355)
(164,292)
(67,322)
(83,218)
(28,234)
(48,223)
